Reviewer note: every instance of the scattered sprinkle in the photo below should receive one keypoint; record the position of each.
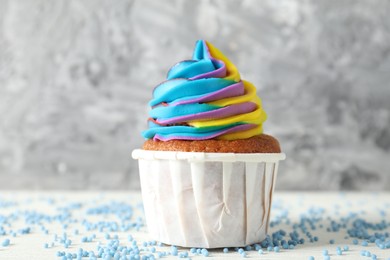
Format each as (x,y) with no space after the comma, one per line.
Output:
(5,242)
(205,252)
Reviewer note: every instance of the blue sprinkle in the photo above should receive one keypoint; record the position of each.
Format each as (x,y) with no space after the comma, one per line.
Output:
(326,257)
(331,241)
(276,249)
(355,241)
(311,258)
(5,242)
(325,252)
(240,250)
(46,245)
(260,252)
(364,243)
(225,250)
(174,251)
(205,252)
(183,254)
(346,248)
(193,250)
(339,252)
(269,248)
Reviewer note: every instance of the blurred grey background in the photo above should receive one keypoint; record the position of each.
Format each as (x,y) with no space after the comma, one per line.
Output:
(75,78)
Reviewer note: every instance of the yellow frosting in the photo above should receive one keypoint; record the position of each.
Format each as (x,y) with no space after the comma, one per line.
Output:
(256,117)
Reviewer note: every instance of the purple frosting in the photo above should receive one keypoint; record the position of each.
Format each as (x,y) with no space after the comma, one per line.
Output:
(223,112)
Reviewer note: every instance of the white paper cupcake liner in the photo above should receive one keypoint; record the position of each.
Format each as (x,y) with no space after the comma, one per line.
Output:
(207,200)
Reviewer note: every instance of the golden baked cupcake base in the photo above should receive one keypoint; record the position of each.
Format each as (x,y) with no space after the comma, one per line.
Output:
(257,144)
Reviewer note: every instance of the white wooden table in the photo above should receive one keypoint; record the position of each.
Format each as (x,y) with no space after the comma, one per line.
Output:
(15,205)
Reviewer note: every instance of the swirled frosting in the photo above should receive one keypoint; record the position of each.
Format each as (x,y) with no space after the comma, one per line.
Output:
(204,98)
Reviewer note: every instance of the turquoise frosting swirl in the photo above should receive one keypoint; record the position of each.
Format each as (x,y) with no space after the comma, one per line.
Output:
(204,98)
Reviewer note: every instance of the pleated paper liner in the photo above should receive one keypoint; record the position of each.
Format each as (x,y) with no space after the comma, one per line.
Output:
(207,200)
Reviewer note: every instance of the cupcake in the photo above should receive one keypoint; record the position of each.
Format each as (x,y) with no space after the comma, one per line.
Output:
(207,170)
